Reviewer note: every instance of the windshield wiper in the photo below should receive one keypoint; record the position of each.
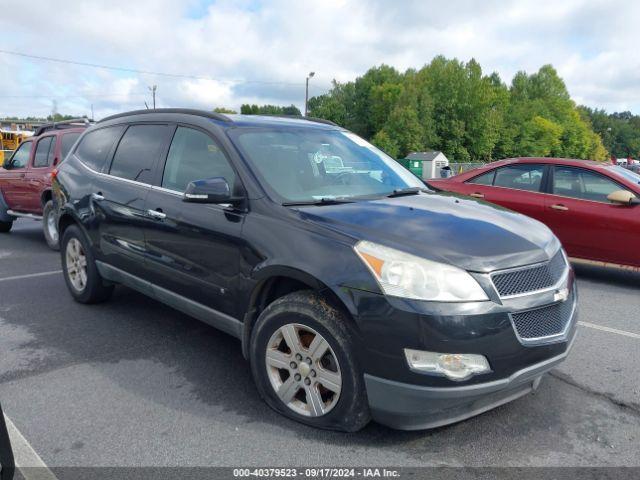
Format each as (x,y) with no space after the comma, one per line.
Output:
(320,201)
(406,191)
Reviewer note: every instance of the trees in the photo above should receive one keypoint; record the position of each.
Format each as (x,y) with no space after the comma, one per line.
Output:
(620,132)
(247,109)
(453,106)
(223,110)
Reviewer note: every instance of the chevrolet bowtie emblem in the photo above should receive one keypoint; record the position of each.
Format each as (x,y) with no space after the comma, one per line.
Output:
(561,295)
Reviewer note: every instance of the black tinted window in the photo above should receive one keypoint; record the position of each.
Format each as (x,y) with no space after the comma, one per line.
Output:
(520,177)
(194,156)
(484,179)
(68,139)
(95,146)
(43,147)
(138,151)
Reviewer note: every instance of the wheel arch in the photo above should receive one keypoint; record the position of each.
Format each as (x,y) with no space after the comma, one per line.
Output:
(277,281)
(45,196)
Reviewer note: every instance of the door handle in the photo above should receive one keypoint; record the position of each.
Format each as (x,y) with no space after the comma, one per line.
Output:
(157,214)
(97,197)
(560,207)
(477,195)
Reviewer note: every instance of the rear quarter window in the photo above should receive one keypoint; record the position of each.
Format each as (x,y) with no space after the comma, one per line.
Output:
(96,145)
(68,139)
(484,179)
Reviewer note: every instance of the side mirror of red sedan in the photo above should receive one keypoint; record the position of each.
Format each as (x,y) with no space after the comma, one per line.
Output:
(623,197)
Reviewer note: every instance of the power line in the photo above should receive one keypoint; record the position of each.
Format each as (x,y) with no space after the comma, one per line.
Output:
(76,96)
(142,72)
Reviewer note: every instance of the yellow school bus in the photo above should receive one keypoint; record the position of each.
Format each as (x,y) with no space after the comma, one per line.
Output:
(12,140)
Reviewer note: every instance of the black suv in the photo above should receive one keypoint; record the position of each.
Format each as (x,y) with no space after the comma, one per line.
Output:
(356,292)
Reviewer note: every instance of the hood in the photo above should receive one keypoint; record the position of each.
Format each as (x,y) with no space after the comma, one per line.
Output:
(444,227)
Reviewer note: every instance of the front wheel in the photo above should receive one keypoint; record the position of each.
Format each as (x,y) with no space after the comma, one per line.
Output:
(304,365)
(79,268)
(50,226)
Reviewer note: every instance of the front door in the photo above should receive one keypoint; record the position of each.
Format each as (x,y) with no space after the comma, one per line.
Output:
(13,182)
(194,249)
(578,212)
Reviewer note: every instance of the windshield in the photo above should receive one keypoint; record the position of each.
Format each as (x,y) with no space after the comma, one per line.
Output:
(306,165)
(625,173)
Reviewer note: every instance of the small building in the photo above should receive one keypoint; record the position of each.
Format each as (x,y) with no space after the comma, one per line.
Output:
(427,165)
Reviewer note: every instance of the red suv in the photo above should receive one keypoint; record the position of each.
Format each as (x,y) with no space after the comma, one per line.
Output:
(25,178)
(594,208)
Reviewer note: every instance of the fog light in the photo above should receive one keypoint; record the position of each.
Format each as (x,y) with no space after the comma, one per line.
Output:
(455,366)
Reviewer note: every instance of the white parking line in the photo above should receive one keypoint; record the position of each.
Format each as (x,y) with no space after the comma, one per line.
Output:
(610,330)
(25,457)
(30,275)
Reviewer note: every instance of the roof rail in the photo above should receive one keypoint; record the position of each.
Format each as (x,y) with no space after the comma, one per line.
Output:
(299,117)
(188,111)
(45,127)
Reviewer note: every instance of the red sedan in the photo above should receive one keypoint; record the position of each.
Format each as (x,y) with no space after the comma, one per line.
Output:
(594,208)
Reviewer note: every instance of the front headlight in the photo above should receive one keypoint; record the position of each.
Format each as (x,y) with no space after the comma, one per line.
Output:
(404,275)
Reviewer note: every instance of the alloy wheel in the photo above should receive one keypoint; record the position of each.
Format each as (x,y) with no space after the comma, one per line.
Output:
(303,370)
(76,261)
(52,228)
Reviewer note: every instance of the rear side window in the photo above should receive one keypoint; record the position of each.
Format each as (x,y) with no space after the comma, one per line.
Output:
(137,152)
(45,149)
(520,177)
(484,179)
(68,139)
(96,145)
(21,156)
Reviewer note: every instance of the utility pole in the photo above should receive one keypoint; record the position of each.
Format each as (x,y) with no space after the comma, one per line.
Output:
(306,93)
(153,93)
(92,116)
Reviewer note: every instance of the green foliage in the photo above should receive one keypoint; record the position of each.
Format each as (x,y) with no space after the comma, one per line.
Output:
(454,107)
(247,109)
(223,110)
(620,132)
(57,117)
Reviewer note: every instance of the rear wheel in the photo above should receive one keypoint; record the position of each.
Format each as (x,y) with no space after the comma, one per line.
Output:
(5,227)
(50,226)
(79,268)
(304,365)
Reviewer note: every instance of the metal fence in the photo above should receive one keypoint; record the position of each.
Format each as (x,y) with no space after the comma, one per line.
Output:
(458,168)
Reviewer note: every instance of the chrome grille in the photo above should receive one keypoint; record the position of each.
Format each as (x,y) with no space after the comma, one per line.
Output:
(544,322)
(530,279)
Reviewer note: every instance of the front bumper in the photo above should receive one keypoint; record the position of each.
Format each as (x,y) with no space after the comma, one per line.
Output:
(415,407)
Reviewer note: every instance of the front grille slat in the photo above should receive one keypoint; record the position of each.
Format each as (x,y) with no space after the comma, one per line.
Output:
(530,279)
(544,322)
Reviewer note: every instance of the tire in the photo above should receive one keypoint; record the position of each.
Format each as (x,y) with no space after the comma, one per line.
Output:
(50,226)
(309,315)
(5,227)
(92,289)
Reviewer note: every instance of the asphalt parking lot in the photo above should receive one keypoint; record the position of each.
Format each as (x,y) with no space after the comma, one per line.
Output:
(134,383)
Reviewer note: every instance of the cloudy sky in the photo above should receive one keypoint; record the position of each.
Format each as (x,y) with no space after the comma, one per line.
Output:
(225,53)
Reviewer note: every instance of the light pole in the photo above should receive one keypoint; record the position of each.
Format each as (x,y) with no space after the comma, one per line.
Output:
(306,93)
(153,92)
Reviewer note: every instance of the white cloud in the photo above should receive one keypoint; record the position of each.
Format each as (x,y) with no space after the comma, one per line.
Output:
(261,52)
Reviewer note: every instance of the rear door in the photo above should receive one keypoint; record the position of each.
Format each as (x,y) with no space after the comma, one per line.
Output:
(120,194)
(590,226)
(38,175)
(517,187)
(13,180)
(194,249)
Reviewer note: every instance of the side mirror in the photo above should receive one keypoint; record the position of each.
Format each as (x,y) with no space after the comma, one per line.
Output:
(6,164)
(208,190)
(622,197)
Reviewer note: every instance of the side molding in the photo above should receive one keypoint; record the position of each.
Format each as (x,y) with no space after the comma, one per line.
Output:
(212,317)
